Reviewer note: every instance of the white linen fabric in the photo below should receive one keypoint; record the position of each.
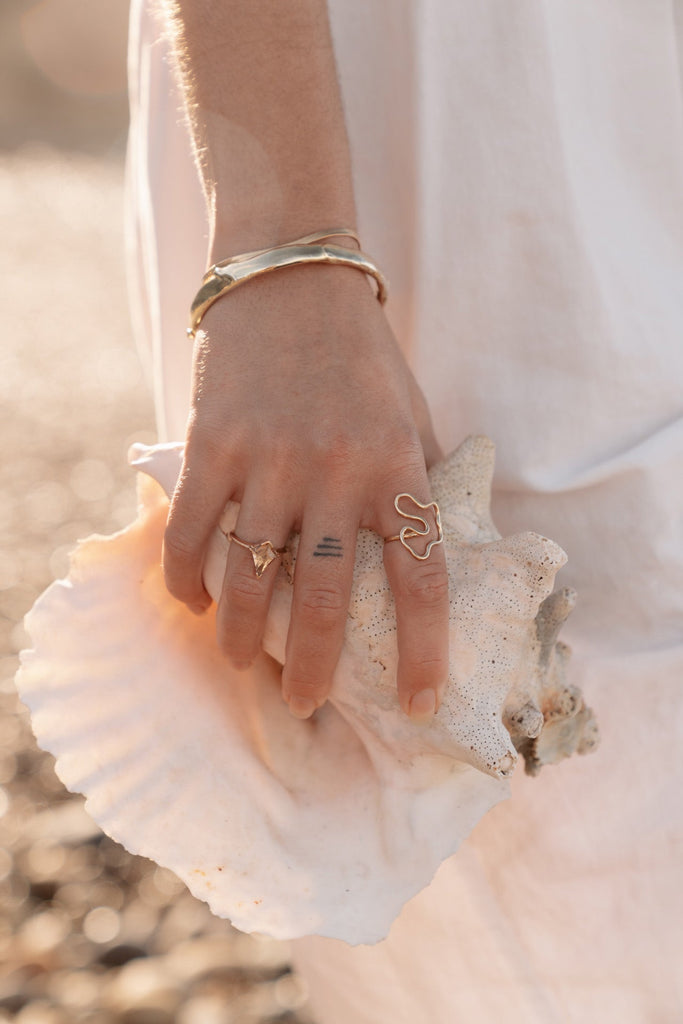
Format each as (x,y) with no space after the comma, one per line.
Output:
(519,177)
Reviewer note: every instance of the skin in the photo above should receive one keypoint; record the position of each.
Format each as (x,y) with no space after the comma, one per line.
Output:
(303,408)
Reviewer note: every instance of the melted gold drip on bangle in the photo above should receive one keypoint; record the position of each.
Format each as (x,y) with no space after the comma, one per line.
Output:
(317,236)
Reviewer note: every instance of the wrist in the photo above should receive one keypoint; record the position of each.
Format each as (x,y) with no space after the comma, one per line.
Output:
(260,198)
(316,247)
(230,236)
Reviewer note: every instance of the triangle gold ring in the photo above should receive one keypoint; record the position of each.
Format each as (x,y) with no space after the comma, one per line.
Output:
(262,553)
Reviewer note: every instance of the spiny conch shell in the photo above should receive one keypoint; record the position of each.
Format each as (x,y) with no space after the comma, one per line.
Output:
(291,827)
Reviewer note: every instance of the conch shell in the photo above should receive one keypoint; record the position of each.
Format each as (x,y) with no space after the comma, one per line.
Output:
(290,827)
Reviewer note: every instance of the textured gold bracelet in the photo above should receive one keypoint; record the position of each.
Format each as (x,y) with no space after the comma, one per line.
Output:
(223,277)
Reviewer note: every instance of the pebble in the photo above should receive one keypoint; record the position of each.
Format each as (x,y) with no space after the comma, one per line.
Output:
(206,1010)
(89,934)
(101,925)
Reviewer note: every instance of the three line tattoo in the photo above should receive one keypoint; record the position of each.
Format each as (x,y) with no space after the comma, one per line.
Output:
(329,547)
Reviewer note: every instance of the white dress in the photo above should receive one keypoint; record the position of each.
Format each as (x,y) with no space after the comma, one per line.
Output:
(519,177)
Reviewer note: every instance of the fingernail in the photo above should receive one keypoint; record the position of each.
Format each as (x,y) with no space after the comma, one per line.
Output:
(199,609)
(301,707)
(241,664)
(422,705)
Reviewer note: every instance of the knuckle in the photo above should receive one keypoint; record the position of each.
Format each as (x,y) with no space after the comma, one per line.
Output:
(427,665)
(324,602)
(179,558)
(178,547)
(244,589)
(341,435)
(428,588)
(338,452)
(282,450)
(285,463)
(340,447)
(408,460)
(401,434)
(404,461)
(211,443)
(406,441)
(313,688)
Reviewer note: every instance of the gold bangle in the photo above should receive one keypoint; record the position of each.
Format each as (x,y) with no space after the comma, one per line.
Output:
(223,277)
(316,236)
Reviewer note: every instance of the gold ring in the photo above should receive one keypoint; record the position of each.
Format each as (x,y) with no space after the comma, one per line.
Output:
(423,530)
(262,553)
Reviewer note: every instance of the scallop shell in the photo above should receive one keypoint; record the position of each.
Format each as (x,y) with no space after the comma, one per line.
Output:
(288,827)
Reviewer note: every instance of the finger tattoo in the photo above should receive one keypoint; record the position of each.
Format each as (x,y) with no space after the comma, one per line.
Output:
(329,547)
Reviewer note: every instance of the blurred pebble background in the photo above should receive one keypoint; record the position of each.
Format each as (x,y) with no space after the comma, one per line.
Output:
(88,933)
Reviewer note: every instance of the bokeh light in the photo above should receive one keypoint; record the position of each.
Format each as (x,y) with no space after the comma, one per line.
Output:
(101,924)
(88,933)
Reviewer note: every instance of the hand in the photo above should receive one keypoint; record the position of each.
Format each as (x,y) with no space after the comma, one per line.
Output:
(305,412)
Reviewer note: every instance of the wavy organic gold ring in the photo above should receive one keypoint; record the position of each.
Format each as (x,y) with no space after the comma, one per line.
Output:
(262,553)
(423,530)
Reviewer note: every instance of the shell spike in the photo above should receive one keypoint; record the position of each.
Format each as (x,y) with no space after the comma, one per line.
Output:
(551,616)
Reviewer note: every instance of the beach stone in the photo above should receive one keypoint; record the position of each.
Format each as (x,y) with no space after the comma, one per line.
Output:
(69,427)
(41,1013)
(101,925)
(147,1015)
(206,1010)
(13,990)
(67,822)
(117,956)
(42,934)
(148,983)
(139,922)
(290,991)
(75,990)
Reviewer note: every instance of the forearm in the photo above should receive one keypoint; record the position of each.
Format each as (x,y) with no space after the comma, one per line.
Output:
(286,418)
(261,90)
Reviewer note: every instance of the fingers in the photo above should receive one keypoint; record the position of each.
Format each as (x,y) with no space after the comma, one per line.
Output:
(323,579)
(420,589)
(265,523)
(322,589)
(432,449)
(199,499)
(423,421)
